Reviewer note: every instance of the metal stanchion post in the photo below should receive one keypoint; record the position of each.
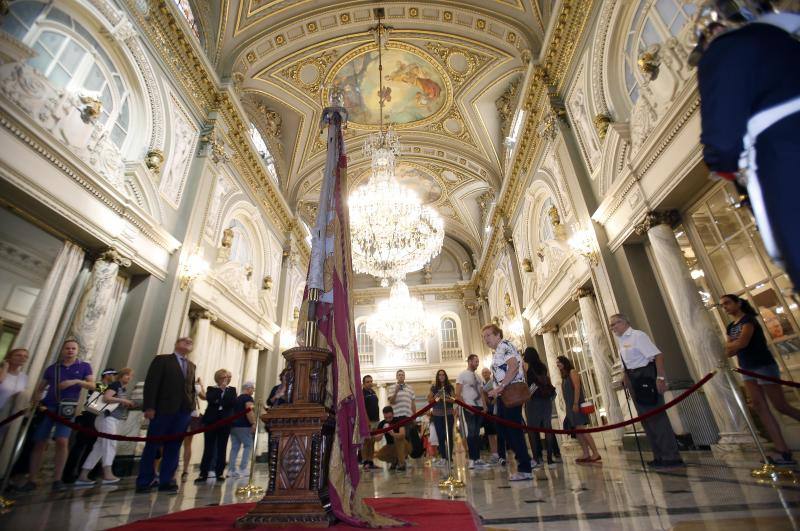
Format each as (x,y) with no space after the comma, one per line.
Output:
(768,471)
(450,482)
(251,489)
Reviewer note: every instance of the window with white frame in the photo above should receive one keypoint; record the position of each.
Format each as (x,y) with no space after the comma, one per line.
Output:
(449,345)
(662,19)
(366,347)
(263,150)
(71,58)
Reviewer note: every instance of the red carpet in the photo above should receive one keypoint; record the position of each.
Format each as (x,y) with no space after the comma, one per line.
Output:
(421,513)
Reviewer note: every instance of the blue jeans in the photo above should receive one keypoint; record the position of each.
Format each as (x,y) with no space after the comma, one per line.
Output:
(513,436)
(162,425)
(240,437)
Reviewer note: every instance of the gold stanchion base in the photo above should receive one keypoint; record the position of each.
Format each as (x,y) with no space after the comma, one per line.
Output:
(771,473)
(451,483)
(5,503)
(249,491)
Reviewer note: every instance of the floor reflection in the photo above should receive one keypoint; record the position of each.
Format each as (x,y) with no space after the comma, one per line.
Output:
(710,493)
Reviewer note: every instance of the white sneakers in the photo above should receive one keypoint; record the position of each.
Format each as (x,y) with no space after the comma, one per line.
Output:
(233,473)
(478,464)
(520,476)
(439,462)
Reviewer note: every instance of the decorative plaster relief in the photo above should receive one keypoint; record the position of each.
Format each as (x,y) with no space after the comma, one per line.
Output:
(60,113)
(184,139)
(223,187)
(578,105)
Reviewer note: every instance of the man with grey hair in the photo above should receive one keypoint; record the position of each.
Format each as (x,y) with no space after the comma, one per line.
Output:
(646,380)
(242,432)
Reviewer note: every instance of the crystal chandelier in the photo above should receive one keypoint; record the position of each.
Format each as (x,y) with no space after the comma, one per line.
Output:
(392,233)
(400,321)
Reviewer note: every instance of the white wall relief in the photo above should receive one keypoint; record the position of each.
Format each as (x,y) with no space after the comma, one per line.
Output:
(182,148)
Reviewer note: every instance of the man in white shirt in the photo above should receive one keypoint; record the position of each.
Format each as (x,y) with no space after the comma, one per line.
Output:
(401,397)
(646,381)
(469,391)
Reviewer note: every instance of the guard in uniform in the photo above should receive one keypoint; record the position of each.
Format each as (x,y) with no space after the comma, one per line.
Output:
(748,71)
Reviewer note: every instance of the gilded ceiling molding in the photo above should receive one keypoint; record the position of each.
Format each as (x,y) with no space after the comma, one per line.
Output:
(549,76)
(200,86)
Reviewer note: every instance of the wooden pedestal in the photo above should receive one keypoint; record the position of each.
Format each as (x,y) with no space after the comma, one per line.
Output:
(300,438)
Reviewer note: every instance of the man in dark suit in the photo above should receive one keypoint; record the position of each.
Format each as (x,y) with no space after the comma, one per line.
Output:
(168,402)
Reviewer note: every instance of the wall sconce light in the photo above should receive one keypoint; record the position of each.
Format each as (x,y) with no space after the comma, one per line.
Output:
(193,268)
(582,242)
(266,284)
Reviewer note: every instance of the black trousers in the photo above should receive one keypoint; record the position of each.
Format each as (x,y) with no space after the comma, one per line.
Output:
(81,448)
(215,446)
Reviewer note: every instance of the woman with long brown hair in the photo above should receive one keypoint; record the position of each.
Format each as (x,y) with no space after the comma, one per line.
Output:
(443,411)
(747,342)
(572,391)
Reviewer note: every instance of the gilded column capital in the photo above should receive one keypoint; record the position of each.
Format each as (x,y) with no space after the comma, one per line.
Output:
(581,292)
(549,329)
(112,255)
(256,346)
(655,218)
(203,314)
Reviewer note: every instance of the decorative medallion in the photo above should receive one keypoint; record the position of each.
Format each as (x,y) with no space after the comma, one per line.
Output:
(307,74)
(460,63)
(418,86)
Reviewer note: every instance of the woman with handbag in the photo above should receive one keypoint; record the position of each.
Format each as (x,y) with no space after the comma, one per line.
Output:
(221,400)
(539,409)
(107,421)
(572,391)
(508,377)
(443,412)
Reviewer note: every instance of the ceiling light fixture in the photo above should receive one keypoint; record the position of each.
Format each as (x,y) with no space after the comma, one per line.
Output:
(400,321)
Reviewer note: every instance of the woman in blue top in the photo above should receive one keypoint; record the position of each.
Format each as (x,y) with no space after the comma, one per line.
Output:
(747,342)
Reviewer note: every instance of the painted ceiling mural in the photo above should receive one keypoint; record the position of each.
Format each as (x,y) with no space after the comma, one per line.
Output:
(446,65)
(416,88)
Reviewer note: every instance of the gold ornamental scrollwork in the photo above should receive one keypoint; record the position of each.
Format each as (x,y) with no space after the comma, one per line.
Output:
(582,292)
(655,218)
(475,61)
(321,62)
(113,255)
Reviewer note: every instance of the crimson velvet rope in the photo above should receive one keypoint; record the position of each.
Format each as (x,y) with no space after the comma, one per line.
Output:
(405,421)
(634,420)
(157,438)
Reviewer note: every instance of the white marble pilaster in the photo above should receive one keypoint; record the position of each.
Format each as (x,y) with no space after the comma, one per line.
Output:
(601,356)
(94,304)
(201,335)
(551,351)
(703,342)
(251,363)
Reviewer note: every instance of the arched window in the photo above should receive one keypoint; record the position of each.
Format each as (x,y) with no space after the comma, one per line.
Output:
(449,344)
(366,347)
(72,59)
(662,19)
(186,10)
(261,146)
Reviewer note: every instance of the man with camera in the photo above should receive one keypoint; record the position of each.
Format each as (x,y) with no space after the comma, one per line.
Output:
(63,381)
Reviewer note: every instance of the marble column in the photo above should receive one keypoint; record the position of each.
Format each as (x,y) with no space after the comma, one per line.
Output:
(250,372)
(552,351)
(702,339)
(602,354)
(201,334)
(95,303)
(516,281)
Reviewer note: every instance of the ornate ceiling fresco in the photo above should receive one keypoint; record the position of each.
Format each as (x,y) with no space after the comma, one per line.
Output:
(451,67)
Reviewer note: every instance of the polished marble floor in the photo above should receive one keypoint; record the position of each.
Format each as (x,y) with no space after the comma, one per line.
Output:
(710,493)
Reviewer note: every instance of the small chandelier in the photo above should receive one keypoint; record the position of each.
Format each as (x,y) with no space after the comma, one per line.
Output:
(392,233)
(400,322)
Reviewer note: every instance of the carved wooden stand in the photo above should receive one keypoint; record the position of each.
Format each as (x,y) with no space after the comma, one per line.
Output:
(300,436)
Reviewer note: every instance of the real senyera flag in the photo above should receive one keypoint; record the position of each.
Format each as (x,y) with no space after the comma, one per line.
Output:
(330,271)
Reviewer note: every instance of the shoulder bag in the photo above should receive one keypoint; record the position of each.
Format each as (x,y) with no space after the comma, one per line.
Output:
(66,408)
(517,393)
